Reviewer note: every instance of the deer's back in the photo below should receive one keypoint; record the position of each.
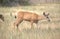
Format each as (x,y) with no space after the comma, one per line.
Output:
(28,15)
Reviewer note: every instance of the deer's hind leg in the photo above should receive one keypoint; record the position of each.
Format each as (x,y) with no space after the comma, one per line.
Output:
(18,20)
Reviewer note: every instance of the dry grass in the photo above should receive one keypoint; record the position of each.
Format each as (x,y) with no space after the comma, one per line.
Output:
(45,30)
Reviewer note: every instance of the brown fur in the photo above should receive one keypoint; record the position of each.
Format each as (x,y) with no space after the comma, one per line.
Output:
(27,16)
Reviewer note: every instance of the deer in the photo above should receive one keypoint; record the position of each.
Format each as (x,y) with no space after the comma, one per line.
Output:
(1,17)
(30,17)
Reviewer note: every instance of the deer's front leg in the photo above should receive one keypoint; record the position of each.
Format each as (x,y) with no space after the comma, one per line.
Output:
(31,24)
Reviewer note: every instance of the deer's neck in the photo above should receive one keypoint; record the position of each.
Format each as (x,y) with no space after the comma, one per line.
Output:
(41,17)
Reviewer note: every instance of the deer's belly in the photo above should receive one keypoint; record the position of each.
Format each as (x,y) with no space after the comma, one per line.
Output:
(30,19)
(26,18)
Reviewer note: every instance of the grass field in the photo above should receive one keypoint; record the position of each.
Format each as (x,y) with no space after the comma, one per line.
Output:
(44,30)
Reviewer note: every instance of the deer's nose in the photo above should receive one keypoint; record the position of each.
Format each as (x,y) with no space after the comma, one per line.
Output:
(49,20)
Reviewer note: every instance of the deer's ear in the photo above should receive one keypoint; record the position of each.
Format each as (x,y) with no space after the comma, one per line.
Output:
(43,13)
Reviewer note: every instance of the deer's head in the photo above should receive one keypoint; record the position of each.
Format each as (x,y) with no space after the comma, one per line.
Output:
(47,16)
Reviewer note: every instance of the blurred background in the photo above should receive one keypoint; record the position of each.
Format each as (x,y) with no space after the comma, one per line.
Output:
(44,30)
(26,2)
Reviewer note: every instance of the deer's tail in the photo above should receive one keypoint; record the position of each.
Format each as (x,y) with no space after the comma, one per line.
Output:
(13,15)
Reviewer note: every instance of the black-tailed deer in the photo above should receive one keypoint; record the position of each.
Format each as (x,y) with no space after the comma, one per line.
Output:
(29,16)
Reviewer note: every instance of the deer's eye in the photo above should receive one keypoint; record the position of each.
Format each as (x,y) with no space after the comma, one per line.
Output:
(47,17)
